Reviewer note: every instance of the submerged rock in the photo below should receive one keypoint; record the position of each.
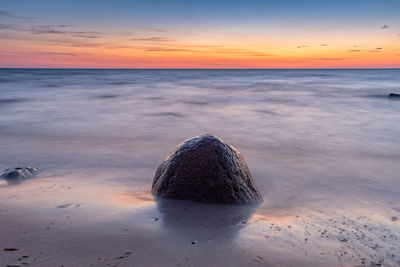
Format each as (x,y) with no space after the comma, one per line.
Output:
(19,174)
(392,95)
(206,169)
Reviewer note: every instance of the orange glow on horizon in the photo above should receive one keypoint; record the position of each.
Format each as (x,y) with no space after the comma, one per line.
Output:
(20,50)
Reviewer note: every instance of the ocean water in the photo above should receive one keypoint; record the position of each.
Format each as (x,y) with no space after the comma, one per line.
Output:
(326,141)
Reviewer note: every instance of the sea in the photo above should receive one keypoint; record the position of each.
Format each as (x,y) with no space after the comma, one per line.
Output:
(320,143)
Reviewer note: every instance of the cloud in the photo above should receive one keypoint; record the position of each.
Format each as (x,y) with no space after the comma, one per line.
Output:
(112,46)
(323,45)
(44,53)
(329,58)
(10,15)
(86,34)
(385,26)
(160,49)
(47,29)
(153,39)
(42,29)
(239,51)
(70,42)
(8,26)
(378,49)
(154,29)
(84,44)
(259,55)
(51,29)
(302,46)
(324,58)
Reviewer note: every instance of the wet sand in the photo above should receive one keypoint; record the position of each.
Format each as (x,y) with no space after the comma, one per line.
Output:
(72,220)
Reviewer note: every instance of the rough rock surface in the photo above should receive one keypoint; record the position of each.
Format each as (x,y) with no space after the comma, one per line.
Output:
(19,174)
(392,95)
(206,169)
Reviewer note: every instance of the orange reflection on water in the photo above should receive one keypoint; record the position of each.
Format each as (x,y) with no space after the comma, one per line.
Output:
(137,197)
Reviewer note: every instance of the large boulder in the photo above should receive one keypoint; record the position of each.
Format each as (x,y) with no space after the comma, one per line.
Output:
(206,169)
(19,174)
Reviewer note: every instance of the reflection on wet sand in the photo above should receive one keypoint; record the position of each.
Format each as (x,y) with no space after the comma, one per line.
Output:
(67,191)
(205,221)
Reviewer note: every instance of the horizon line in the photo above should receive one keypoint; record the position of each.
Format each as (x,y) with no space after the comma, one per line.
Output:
(95,68)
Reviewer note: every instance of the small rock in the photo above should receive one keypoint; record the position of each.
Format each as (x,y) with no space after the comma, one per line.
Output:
(18,175)
(393,95)
(394,218)
(10,249)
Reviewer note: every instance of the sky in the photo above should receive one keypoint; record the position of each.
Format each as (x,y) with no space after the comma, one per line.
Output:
(199,34)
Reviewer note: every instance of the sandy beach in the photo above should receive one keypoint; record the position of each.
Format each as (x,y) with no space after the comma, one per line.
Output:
(62,221)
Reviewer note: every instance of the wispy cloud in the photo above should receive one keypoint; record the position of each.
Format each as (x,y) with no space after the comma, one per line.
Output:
(51,29)
(8,26)
(221,50)
(324,58)
(259,55)
(378,49)
(46,53)
(154,29)
(10,15)
(87,34)
(47,29)
(323,45)
(84,44)
(329,58)
(239,51)
(302,46)
(161,49)
(153,39)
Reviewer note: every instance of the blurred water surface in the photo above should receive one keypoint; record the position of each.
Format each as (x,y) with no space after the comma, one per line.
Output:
(322,145)
(300,128)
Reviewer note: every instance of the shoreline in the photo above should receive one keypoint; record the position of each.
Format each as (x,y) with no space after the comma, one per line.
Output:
(56,223)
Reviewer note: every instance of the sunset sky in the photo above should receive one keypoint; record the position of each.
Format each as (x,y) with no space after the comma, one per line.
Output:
(200,34)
